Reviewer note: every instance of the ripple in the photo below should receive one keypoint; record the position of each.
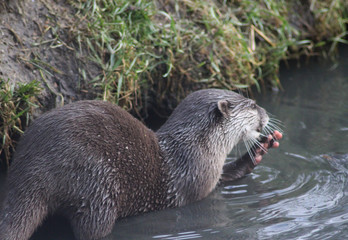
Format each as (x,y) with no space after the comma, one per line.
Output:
(298,198)
(207,233)
(269,173)
(234,189)
(325,194)
(339,161)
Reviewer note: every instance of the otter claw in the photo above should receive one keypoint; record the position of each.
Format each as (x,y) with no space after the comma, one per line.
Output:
(266,142)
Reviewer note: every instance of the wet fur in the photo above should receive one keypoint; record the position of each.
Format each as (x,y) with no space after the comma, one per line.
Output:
(95,163)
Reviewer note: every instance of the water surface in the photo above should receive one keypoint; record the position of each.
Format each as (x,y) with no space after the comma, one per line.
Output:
(298,192)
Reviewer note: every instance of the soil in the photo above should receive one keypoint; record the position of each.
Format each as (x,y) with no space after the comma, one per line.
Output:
(36,44)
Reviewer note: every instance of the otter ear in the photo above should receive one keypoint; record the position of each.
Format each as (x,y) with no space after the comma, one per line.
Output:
(223,106)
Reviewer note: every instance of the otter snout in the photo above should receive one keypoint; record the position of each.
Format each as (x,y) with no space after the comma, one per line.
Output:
(257,121)
(264,119)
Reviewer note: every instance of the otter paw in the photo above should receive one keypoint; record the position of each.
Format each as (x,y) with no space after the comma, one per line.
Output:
(266,143)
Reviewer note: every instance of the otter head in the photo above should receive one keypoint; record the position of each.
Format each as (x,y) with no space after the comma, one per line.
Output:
(214,119)
(242,118)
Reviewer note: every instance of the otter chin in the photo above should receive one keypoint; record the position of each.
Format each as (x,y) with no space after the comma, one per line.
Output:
(93,162)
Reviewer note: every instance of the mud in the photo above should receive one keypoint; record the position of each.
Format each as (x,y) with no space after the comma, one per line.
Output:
(36,43)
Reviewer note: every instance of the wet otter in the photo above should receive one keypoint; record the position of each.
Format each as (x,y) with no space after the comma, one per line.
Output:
(94,163)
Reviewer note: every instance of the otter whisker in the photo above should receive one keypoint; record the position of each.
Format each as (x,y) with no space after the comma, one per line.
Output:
(271,116)
(263,135)
(267,130)
(271,127)
(252,144)
(250,151)
(270,131)
(276,121)
(257,143)
(275,127)
(276,124)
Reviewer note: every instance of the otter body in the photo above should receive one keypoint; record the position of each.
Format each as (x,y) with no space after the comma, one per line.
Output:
(94,163)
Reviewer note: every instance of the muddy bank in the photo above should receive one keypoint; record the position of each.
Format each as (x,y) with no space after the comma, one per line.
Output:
(35,44)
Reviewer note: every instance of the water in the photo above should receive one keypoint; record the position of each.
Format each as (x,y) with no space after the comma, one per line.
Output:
(299,191)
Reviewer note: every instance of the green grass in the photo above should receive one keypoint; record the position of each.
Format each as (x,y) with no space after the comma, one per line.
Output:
(165,49)
(16,106)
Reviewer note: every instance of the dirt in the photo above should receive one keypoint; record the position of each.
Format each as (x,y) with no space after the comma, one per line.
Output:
(36,44)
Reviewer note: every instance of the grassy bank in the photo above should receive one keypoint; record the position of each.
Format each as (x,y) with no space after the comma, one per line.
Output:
(16,107)
(163,49)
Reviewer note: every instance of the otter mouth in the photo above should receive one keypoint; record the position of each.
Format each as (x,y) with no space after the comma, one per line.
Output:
(259,131)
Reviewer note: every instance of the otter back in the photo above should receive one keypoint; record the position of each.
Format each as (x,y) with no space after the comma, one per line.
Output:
(89,160)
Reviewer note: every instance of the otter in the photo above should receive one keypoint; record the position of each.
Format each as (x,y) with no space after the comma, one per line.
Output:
(94,163)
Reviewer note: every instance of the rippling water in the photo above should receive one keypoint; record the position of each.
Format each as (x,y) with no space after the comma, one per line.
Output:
(298,192)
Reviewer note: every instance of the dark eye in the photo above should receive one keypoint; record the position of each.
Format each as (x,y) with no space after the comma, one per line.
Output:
(253,106)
